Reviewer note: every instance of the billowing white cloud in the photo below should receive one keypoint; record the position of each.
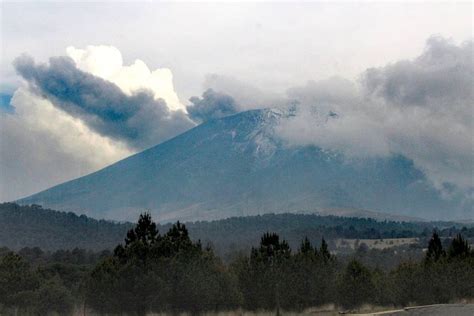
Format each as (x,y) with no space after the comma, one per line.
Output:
(106,62)
(43,144)
(140,119)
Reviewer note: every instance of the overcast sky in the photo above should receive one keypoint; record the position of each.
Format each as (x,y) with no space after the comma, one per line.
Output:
(273,46)
(393,56)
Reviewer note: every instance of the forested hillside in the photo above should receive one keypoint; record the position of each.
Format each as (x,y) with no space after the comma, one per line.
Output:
(167,272)
(33,226)
(241,233)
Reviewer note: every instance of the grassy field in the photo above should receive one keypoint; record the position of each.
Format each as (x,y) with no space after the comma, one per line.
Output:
(375,243)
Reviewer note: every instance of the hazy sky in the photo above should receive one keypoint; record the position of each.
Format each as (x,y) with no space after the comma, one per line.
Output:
(399,76)
(271,45)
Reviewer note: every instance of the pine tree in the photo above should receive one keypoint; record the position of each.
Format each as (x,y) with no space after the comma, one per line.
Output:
(139,241)
(306,247)
(324,251)
(272,250)
(435,249)
(266,266)
(356,286)
(145,231)
(177,240)
(459,247)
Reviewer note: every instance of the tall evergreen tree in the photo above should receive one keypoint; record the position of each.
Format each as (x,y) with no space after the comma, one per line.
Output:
(324,250)
(306,246)
(355,286)
(177,240)
(459,247)
(272,249)
(145,231)
(435,249)
(261,276)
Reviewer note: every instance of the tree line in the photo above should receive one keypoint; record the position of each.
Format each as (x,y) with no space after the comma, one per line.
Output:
(153,272)
(54,230)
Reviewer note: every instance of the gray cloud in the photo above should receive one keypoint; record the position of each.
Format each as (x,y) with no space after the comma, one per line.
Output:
(212,105)
(441,76)
(420,108)
(226,95)
(138,120)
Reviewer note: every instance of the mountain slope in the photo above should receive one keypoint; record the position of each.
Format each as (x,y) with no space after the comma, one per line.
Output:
(235,166)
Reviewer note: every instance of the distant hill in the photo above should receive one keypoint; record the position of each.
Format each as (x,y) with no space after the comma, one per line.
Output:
(237,166)
(33,226)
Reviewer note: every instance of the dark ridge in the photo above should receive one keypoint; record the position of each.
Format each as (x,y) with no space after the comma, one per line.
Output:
(34,226)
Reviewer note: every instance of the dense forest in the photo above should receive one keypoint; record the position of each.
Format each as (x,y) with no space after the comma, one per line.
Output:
(52,230)
(169,272)
(33,226)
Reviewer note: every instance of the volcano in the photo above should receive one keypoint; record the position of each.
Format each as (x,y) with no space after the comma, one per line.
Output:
(237,166)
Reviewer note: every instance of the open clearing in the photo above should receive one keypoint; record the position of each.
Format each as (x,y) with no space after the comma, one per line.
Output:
(375,243)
